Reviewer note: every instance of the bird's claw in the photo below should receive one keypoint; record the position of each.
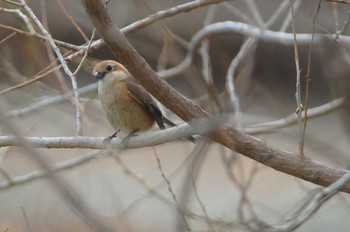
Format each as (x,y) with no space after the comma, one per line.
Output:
(126,139)
(108,139)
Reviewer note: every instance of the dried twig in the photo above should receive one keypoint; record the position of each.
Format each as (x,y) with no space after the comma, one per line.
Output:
(308,77)
(50,53)
(251,147)
(291,119)
(70,18)
(170,189)
(207,218)
(41,37)
(312,206)
(252,7)
(57,167)
(85,53)
(282,38)
(299,108)
(78,130)
(45,102)
(24,18)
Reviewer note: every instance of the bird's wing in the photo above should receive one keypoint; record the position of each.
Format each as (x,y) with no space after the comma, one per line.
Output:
(141,95)
(144,98)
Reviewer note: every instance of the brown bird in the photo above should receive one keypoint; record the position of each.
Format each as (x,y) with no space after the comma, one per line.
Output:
(128,106)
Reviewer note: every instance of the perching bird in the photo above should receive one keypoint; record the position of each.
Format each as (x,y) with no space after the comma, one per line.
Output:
(127,105)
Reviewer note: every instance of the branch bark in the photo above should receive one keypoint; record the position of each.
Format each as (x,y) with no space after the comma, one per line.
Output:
(300,167)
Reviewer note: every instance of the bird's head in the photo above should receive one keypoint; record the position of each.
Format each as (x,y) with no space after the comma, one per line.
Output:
(107,67)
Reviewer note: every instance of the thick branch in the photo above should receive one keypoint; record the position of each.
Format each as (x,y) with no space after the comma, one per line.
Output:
(249,146)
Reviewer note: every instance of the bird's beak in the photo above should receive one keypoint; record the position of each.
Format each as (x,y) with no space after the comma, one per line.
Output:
(100,75)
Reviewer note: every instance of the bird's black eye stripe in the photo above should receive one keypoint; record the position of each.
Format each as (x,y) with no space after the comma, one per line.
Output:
(109,67)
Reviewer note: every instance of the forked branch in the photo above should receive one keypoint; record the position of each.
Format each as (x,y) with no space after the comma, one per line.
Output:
(292,164)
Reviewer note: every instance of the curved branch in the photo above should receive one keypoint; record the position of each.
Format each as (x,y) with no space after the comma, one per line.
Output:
(182,8)
(228,27)
(268,127)
(301,167)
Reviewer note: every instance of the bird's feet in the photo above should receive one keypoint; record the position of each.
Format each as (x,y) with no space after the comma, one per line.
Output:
(108,138)
(126,139)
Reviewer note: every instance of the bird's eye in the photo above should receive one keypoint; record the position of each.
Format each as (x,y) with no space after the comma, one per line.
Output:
(109,67)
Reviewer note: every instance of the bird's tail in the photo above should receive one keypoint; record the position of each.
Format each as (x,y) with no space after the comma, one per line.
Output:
(171,124)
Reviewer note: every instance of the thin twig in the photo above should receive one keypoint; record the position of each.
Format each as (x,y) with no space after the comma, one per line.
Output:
(85,53)
(26,219)
(126,30)
(308,77)
(286,39)
(252,7)
(13,3)
(22,16)
(57,167)
(299,108)
(248,47)
(313,205)
(345,25)
(339,1)
(41,37)
(70,18)
(40,104)
(154,193)
(207,218)
(207,74)
(7,37)
(251,147)
(67,192)
(50,53)
(170,189)
(78,130)
(193,168)
(291,119)
(186,7)
(335,12)
(277,14)
(30,81)
(6,175)
(288,18)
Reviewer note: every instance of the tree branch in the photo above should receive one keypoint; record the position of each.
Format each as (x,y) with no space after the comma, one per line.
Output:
(145,139)
(249,146)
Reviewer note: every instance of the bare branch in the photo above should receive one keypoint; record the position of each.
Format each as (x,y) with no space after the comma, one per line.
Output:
(291,119)
(143,140)
(186,7)
(281,160)
(308,76)
(70,18)
(170,189)
(41,37)
(252,7)
(299,107)
(312,206)
(220,28)
(22,16)
(47,101)
(63,63)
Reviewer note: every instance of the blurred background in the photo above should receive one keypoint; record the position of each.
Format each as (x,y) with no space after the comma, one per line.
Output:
(211,188)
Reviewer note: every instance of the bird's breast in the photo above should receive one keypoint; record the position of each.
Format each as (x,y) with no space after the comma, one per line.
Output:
(122,110)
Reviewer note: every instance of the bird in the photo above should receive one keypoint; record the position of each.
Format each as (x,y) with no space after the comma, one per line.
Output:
(127,105)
